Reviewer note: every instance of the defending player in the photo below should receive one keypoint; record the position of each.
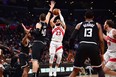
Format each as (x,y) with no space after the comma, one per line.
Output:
(90,36)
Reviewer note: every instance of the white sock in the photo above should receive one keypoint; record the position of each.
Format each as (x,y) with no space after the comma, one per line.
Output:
(56,67)
(50,69)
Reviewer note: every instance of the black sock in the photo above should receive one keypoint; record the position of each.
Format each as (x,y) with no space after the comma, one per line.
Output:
(38,72)
(34,74)
(100,72)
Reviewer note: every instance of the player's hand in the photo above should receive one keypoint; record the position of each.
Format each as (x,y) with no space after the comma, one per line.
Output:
(25,29)
(52,4)
(28,30)
(22,24)
(59,11)
(70,56)
(55,16)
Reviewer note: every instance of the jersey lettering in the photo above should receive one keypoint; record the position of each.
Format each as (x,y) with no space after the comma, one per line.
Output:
(58,33)
(43,32)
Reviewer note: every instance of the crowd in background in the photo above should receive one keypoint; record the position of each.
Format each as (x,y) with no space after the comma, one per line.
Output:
(11,38)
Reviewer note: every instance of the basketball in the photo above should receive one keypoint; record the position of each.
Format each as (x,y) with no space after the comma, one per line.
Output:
(56,11)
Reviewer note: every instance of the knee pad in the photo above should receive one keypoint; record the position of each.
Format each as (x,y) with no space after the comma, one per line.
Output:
(51,60)
(59,57)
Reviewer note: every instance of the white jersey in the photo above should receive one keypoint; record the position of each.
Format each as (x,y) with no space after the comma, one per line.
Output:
(58,33)
(112,42)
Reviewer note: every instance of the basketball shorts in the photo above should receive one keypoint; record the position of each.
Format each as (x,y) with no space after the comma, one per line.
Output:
(85,51)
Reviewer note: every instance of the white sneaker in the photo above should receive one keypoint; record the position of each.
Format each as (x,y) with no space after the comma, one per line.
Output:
(50,74)
(55,74)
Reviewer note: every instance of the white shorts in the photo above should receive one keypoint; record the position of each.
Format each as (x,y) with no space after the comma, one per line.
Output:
(109,55)
(110,64)
(55,48)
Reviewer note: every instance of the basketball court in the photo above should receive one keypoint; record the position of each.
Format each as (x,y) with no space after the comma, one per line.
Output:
(88,76)
(85,76)
(94,76)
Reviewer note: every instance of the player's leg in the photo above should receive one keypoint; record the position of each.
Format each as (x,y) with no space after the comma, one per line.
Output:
(95,58)
(109,67)
(23,59)
(35,67)
(80,57)
(58,61)
(25,71)
(37,50)
(106,57)
(110,63)
(52,51)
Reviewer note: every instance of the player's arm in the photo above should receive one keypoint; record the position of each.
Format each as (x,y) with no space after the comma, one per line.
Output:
(114,33)
(104,37)
(24,41)
(50,11)
(101,41)
(62,20)
(25,29)
(52,24)
(73,36)
(72,40)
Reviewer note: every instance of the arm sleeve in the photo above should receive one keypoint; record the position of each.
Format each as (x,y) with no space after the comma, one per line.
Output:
(62,19)
(72,39)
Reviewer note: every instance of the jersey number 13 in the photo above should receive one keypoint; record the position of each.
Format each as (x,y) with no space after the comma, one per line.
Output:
(88,32)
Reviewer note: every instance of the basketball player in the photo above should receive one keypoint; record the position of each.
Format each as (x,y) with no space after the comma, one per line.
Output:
(40,36)
(90,36)
(110,54)
(24,55)
(56,48)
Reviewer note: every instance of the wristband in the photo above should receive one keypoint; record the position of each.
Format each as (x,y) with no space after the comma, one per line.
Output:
(50,12)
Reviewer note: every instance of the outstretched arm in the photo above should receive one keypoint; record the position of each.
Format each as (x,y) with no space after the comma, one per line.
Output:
(52,24)
(50,11)
(62,20)
(73,36)
(24,41)
(25,29)
(72,41)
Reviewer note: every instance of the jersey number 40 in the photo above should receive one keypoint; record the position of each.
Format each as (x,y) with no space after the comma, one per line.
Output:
(43,32)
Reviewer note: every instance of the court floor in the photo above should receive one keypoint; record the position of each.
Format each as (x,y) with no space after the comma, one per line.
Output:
(88,76)
(95,76)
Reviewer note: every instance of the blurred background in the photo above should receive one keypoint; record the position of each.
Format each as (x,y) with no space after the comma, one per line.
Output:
(27,11)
